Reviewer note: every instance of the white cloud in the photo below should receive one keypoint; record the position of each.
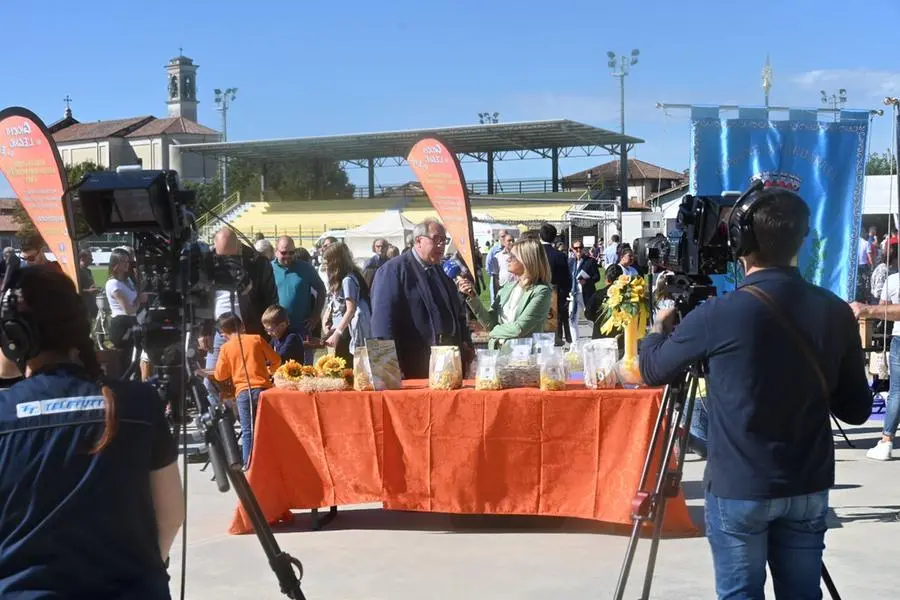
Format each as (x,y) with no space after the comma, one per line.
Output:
(864,83)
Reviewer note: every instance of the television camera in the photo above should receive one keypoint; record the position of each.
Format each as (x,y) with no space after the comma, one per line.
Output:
(179,276)
(695,250)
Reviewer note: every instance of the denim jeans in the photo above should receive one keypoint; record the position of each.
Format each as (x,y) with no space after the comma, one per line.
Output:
(789,533)
(892,413)
(211,358)
(247,401)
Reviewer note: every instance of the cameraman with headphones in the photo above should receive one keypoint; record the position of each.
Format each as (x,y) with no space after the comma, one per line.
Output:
(782,355)
(91,496)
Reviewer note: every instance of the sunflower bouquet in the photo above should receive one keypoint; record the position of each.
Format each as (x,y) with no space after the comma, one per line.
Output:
(328,375)
(627,309)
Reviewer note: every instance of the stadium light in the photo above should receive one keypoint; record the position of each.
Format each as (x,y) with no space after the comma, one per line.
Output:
(620,66)
(836,100)
(223,100)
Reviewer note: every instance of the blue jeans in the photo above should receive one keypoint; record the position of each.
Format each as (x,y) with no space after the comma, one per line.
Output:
(789,533)
(246,414)
(892,413)
(211,358)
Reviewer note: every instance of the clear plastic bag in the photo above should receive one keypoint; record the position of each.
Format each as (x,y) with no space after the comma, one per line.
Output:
(445,368)
(486,376)
(553,371)
(575,355)
(362,370)
(600,359)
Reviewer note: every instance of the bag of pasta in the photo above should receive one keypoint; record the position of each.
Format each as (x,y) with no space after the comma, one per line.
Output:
(553,371)
(362,370)
(575,355)
(600,359)
(486,377)
(445,368)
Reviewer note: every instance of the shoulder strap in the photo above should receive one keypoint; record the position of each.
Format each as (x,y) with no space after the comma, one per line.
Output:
(794,332)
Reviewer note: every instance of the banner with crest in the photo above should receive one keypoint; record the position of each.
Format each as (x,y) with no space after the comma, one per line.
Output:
(823,161)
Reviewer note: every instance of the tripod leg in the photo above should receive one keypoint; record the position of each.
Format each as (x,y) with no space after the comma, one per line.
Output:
(829,584)
(843,433)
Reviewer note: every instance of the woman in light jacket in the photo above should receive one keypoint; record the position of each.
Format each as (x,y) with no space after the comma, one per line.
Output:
(520,307)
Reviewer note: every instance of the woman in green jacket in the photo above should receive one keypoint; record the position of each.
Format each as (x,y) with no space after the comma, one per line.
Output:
(520,307)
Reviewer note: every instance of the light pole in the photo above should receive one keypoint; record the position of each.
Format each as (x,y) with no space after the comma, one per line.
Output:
(767,79)
(487,118)
(223,101)
(836,99)
(620,66)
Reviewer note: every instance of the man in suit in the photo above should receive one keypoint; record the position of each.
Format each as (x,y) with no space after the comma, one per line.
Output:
(415,304)
(585,273)
(560,279)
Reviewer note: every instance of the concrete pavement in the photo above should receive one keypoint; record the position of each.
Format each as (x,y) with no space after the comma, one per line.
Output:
(367,553)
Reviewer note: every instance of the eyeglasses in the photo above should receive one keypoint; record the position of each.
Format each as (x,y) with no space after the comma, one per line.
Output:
(29,257)
(577,248)
(437,240)
(287,252)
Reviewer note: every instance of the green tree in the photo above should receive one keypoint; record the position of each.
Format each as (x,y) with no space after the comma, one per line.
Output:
(208,194)
(307,178)
(881,164)
(74,174)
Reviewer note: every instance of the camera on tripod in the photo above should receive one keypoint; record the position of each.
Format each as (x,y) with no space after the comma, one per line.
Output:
(696,249)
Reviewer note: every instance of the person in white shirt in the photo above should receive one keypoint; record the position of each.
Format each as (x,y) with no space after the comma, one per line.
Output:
(890,294)
(626,261)
(611,252)
(122,296)
(502,258)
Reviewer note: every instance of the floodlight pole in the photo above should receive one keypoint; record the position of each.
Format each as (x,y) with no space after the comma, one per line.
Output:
(838,98)
(223,101)
(488,118)
(620,66)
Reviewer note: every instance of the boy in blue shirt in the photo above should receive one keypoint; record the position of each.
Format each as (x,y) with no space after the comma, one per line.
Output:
(286,341)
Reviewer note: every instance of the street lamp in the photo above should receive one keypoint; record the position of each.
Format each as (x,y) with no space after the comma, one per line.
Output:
(620,66)
(836,99)
(486,118)
(223,100)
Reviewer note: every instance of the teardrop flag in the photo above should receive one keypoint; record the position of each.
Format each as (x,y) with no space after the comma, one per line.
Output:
(31,164)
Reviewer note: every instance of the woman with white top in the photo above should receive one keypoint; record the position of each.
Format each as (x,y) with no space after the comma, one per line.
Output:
(521,307)
(121,293)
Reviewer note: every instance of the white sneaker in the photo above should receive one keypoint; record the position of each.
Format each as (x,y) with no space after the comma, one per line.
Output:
(881,451)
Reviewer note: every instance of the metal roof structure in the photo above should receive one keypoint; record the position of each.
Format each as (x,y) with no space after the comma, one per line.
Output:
(484,143)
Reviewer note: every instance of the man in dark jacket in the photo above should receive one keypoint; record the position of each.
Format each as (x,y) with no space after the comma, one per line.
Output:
(561,279)
(585,273)
(415,304)
(256,292)
(775,373)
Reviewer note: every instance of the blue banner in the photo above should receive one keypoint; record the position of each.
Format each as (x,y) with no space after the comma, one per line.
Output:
(824,162)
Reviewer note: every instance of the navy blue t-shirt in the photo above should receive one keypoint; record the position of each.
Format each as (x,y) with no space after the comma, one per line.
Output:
(289,347)
(75,524)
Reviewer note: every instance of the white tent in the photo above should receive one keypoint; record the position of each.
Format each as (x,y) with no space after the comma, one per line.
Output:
(390,225)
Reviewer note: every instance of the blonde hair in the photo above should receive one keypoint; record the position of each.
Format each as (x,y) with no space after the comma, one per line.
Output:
(533,257)
(275,315)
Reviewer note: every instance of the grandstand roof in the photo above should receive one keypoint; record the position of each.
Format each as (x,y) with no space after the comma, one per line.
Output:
(473,140)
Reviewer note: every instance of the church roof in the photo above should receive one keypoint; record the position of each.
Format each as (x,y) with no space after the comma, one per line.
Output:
(172,125)
(135,127)
(637,170)
(100,129)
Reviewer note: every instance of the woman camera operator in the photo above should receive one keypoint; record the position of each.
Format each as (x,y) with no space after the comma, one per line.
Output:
(88,471)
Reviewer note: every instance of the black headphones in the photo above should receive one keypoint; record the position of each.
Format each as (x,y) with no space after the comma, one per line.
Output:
(19,340)
(741,238)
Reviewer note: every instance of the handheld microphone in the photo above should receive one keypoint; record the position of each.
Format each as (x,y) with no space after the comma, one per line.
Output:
(13,266)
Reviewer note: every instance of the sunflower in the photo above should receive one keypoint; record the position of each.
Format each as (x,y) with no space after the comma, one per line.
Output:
(331,366)
(290,370)
(307,371)
(321,362)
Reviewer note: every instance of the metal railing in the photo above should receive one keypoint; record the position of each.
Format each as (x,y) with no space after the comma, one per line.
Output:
(221,209)
(513,186)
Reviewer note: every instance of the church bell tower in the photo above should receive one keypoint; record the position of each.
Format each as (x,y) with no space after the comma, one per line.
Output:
(181,87)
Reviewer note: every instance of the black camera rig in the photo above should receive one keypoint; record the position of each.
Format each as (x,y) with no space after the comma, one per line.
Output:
(180,277)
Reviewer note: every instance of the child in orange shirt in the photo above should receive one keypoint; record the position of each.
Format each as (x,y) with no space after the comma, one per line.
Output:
(248,361)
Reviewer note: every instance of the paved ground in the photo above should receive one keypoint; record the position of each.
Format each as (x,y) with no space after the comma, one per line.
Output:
(372,554)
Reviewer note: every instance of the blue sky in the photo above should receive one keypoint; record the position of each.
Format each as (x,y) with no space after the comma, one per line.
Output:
(315,68)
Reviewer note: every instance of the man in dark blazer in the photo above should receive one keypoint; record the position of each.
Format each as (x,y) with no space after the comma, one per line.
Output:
(586,272)
(415,304)
(560,279)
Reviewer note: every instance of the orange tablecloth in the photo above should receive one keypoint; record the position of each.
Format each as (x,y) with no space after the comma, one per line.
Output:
(576,453)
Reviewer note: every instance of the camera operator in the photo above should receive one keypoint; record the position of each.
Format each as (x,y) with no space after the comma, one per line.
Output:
(88,472)
(775,369)
(254,295)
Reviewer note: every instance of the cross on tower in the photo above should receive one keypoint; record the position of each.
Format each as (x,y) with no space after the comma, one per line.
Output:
(68,102)
(180,51)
